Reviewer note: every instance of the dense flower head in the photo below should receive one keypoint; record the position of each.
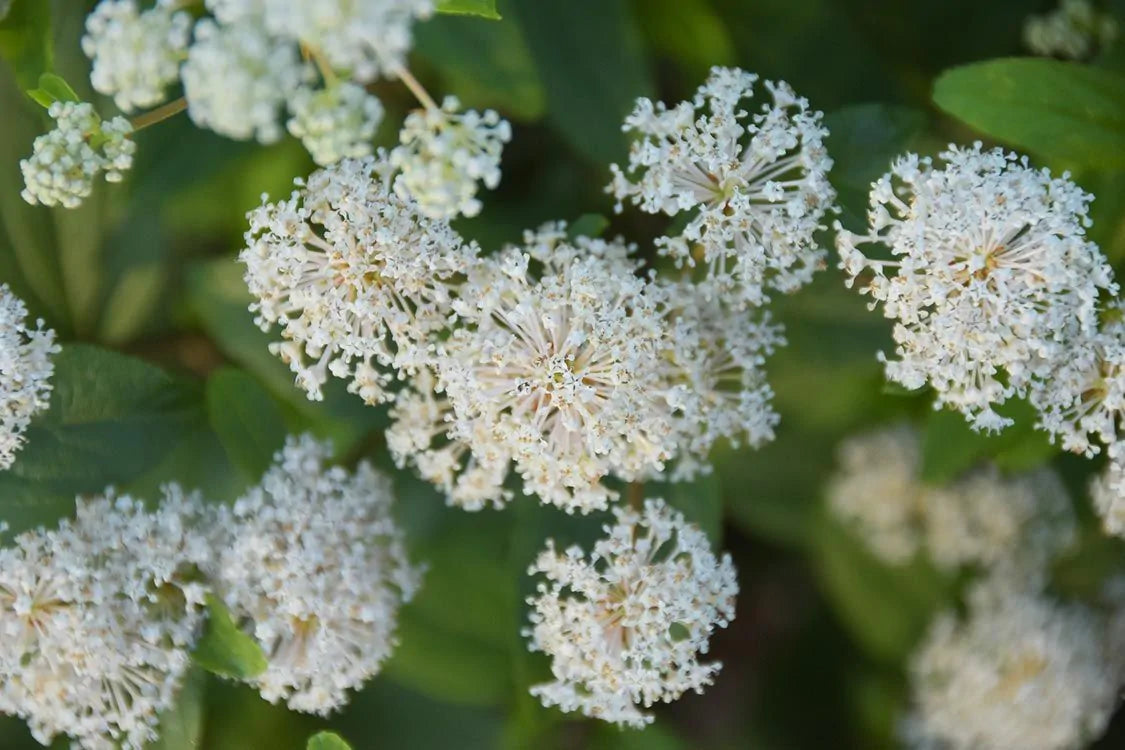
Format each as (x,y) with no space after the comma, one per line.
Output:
(1074,30)
(334,123)
(355,276)
(554,365)
(99,616)
(444,153)
(316,568)
(1016,524)
(756,181)
(367,38)
(993,275)
(65,161)
(237,78)
(136,54)
(1022,671)
(625,626)
(25,372)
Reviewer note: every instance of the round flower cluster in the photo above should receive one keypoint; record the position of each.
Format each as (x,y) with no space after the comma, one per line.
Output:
(335,123)
(65,161)
(443,155)
(25,372)
(1017,524)
(1074,30)
(993,277)
(315,566)
(1020,671)
(624,627)
(99,616)
(136,54)
(756,183)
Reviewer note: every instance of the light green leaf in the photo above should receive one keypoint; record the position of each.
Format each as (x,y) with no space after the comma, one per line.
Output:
(482,8)
(246,419)
(111,417)
(587,225)
(327,741)
(181,727)
(1057,109)
(224,649)
(52,88)
(25,40)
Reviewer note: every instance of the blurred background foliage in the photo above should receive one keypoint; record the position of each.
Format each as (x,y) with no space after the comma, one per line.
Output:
(815,657)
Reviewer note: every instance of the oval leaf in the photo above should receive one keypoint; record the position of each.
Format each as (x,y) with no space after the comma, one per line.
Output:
(327,741)
(224,649)
(246,419)
(482,8)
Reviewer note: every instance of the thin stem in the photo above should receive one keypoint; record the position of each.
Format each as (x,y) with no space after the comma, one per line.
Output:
(416,88)
(635,495)
(322,65)
(160,114)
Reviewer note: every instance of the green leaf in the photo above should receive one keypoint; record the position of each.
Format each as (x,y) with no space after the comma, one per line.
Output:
(687,31)
(181,727)
(951,447)
(224,649)
(327,741)
(482,8)
(1056,109)
(246,419)
(864,138)
(25,40)
(587,225)
(52,88)
(590,58)
(110,418)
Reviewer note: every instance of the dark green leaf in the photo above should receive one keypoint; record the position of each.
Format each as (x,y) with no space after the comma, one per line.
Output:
(864,138)
(25,40)
(951,447)
(181,727)
(587,225)
(1059,110)
(111,417)
(224,649)
(246,419)
(687,31)
(327,741)
(591,61)
(482,8)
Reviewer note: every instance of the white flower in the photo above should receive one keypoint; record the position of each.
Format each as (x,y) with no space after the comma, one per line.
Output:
(97,619)
(237,77)
(557,368)
(757,182)
(355,276)
(136,54)
(367,38)
(625,627)
(716,385)
(994,277)
(65,161)
(1074,30)
(25,372)
(334,123)
(316,567)
(1108,493)
(443,155)
(1021,672)
(1016,524)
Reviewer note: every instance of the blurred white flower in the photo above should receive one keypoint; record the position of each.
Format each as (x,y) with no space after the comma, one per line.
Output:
(1074,30)
(65,161)
(316,567)
(756,180)
(98,618)
(993,279)
(25,373)
(237,78)
(1108,493)
(356,277)
(625,626)
(136,54)
(1021,671)
(334,123)
(443,154)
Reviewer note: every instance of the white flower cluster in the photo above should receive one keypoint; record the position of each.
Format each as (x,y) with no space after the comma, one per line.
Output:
(315,566)
(625,626)
(756,183)
(98,618)
(1075,30)
(25,372)
(993,277)
(136,54)
(443,155)
(334,123)
(1017,524)
(1020,671)
(65,161)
